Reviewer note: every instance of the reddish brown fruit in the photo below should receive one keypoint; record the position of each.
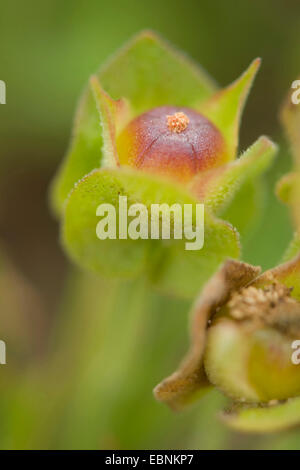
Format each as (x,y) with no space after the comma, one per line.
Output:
(173,141)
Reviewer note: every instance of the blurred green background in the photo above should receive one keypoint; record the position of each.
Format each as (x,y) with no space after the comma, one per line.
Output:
(80,374)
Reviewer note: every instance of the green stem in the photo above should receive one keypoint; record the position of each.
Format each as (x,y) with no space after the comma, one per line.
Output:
(115,341)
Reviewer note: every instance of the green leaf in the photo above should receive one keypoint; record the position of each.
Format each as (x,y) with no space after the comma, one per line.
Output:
(272,418)
(166,262)
(225,108)
(217,187)
(114,114)
(284,187)
(84,153)
(288,191)
(251,197)
(293,249)
(148,72)
(290,118)
(288,188)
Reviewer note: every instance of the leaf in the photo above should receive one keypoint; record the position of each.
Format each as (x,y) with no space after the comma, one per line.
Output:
(290,118)
(190,381)
(113,116)
(284,187)
(166,262)
(288,188)
(217,187)
(225,108)
(272,418)
(148,73)
(288,191)
(293,249)
(251,197)
(84,153)
(295,203)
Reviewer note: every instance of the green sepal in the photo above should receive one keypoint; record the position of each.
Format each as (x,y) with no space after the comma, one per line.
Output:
(293,249)
(217,187)
(165,262)
(263,419)
(225,107)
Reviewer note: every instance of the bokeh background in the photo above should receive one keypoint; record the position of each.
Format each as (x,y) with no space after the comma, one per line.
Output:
(84,353)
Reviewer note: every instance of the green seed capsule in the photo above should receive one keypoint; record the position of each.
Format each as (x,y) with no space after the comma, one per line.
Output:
(249,350)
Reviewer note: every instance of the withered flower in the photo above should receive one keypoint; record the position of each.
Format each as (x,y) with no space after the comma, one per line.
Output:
(243,326)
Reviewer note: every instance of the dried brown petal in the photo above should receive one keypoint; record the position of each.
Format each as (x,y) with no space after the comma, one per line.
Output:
(189,380)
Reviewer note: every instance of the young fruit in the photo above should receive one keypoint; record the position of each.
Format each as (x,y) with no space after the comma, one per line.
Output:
(173,141)
(249,345)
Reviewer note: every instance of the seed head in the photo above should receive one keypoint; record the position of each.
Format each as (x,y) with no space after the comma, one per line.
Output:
(272,306)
